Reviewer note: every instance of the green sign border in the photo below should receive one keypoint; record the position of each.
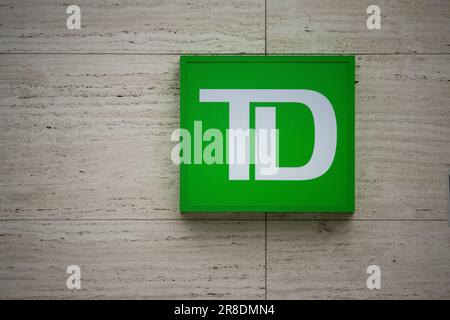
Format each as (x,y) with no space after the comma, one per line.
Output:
(349,60)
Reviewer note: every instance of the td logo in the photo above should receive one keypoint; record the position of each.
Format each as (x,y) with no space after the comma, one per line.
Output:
(266,134)
(239,105)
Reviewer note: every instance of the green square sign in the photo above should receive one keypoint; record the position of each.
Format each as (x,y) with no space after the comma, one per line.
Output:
(267,134)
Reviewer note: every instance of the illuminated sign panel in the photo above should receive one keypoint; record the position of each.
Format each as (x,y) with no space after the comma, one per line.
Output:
(267,134)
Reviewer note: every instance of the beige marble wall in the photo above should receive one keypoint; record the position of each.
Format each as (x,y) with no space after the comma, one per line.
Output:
(86,177)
